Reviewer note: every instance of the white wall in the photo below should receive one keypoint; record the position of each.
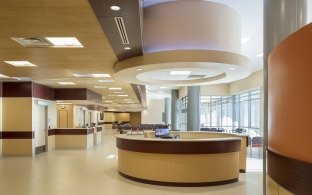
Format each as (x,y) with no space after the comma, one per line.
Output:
(153,113)
(254,81)
(221,89)
(182,92)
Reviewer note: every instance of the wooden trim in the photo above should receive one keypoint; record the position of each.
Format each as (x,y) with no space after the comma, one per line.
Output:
(74,131)
(17,134)
(40,149)
(51,132)
(178,184)
(179,147)
(294,175)
(99,129)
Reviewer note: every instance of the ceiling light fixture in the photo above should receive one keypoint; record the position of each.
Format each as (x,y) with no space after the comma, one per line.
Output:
(108,101)
(66,83)
(180,72)
(22,78)
(122,95)
(119,92)
(128,99)
(139,69)
(101,75)
(232,68)
(65,42)
(100,87)
(106,81)
(115,8)
(163,87)
(127,48)
(20,63)
(115,88)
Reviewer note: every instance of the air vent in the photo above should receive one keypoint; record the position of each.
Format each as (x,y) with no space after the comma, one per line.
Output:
(196,76)
(32,42)
(122,30)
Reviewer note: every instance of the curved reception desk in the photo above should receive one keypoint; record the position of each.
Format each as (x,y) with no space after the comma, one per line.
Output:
(179,162)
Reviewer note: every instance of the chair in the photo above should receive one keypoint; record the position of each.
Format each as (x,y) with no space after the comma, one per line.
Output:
(257,142)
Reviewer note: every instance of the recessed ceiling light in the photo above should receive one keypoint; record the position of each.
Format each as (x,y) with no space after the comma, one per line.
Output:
(127,99)
(180,72)
(115,8)
(20,63)
(139,69)
(66,83)
(119,92)
(130,102)
(122,95)
(112,95)
(83,75)
(108,101)
(127,48)
(64,42)
(163,87)
(101,75)
(245,39)
(3,76)
(106,81)
(232,68)
(115,88)
(100,87)
(58,101)
(260,54)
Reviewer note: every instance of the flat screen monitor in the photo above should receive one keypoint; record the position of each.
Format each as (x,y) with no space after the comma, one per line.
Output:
(162,132)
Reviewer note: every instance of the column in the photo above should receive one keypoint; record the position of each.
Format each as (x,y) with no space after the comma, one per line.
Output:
(193,112)
(174,109)
(167,110)
(281,18)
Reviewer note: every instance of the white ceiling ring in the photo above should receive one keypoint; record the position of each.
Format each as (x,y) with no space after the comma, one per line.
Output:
(225,67)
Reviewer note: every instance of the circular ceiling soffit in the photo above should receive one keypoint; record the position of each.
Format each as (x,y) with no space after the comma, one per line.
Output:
(200,66)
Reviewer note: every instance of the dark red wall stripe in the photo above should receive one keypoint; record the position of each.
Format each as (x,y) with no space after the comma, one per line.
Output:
(17,89)
(43,92)
(179,147)
(292,174)
(70,131)
(17,134)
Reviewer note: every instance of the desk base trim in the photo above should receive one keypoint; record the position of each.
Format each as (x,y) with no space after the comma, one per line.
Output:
(178,184)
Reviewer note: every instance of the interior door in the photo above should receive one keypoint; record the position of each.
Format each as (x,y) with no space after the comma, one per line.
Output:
(63,119)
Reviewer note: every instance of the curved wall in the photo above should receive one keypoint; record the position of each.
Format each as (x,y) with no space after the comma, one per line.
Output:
(290,112)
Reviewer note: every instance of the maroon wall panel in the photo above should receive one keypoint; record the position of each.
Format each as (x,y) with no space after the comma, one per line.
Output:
(43,92)
(17,89)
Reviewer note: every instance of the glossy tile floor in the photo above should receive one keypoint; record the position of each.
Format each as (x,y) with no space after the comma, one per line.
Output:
(79,172)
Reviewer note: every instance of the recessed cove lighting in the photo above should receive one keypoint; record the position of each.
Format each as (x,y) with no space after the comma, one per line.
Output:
(232,68)
(64,41)
(180,72)
(20,63)
(115,8)
(101,75)
(106,81)
(115,88)
(3,76)
(66,83)
(127,48)
(139,69)
(245,39)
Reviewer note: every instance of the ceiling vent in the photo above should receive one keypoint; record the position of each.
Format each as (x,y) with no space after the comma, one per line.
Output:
(32,42)
(196,76)
(122,30)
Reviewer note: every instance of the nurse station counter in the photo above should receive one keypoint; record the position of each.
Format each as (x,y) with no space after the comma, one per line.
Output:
(196,158)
